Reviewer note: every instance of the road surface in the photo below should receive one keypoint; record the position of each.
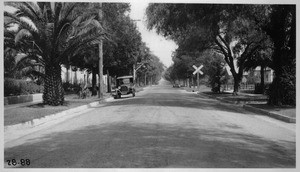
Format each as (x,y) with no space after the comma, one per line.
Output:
(160,127)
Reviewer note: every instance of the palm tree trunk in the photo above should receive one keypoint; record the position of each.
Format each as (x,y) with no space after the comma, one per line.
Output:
(53,90)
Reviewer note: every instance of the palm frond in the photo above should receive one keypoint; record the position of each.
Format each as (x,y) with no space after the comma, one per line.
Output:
(25,9)
(22,23)
(67,10)
(78,44)
(52,8)
(89,33)
(34,10)
(56,13)
(33,72)
(22,33)
(8,22)
(62,31)
(32,58)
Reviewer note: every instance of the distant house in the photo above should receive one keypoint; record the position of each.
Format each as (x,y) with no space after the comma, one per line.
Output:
(77,76)
(73,75)
(269,74)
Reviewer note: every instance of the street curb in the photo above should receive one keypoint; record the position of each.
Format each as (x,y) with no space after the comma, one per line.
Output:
(271,114)
(40,121)
(255,110)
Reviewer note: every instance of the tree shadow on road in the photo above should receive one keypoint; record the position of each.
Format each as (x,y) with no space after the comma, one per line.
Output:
(177,100)
(128,145)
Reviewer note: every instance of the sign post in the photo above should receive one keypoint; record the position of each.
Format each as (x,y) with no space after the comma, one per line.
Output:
(197,71)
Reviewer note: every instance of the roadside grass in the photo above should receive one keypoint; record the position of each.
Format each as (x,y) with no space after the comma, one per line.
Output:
(257,101)
(247,91)
(38,110)
(240,97)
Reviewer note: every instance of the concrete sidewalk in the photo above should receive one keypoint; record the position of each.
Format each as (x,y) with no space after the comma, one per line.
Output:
(22,104)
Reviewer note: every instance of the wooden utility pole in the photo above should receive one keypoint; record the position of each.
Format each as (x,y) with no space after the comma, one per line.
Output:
(135,70)
(100,91)
(108,82)
(134,73)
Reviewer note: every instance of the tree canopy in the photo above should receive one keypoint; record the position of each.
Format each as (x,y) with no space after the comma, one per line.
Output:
(246,35)
(231,30)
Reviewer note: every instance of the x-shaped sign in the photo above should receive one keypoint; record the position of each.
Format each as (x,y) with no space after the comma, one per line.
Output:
(197,70)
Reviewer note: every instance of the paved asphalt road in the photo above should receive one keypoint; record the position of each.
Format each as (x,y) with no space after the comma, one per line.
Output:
(160,127)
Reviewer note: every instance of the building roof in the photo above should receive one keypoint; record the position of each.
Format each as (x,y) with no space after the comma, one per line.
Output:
(245,72)
(125,77)
(266,69)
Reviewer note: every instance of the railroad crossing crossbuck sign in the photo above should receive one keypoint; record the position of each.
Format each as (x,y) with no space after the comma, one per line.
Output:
(197,70)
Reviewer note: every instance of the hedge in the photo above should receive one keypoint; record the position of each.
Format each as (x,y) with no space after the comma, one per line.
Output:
(14,87)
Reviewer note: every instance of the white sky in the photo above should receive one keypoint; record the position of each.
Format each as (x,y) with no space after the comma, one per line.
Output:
(158,45)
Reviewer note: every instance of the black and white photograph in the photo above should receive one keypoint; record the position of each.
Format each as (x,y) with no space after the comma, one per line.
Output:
(149,85)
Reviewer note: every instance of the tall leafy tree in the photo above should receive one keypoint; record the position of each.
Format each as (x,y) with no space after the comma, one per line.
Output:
(282,30)
(88,58)
(213,67)
(152,68)
(54,31)
(231,30)
(122,52)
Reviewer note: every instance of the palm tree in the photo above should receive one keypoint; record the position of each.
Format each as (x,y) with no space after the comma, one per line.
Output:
(53,31)
(13,53)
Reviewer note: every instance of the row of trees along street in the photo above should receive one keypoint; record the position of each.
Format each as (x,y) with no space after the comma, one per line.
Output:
(239,36)
(52,34)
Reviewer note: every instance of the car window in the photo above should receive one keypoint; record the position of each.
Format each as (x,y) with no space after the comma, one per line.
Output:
(126,81)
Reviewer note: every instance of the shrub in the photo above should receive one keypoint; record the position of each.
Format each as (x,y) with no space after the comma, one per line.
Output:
(282,91)
(67,86)
(13,87)
(30,87)
(258,88)
(71,88)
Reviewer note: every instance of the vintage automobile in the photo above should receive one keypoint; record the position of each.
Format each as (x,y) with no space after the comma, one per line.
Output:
(124,86)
